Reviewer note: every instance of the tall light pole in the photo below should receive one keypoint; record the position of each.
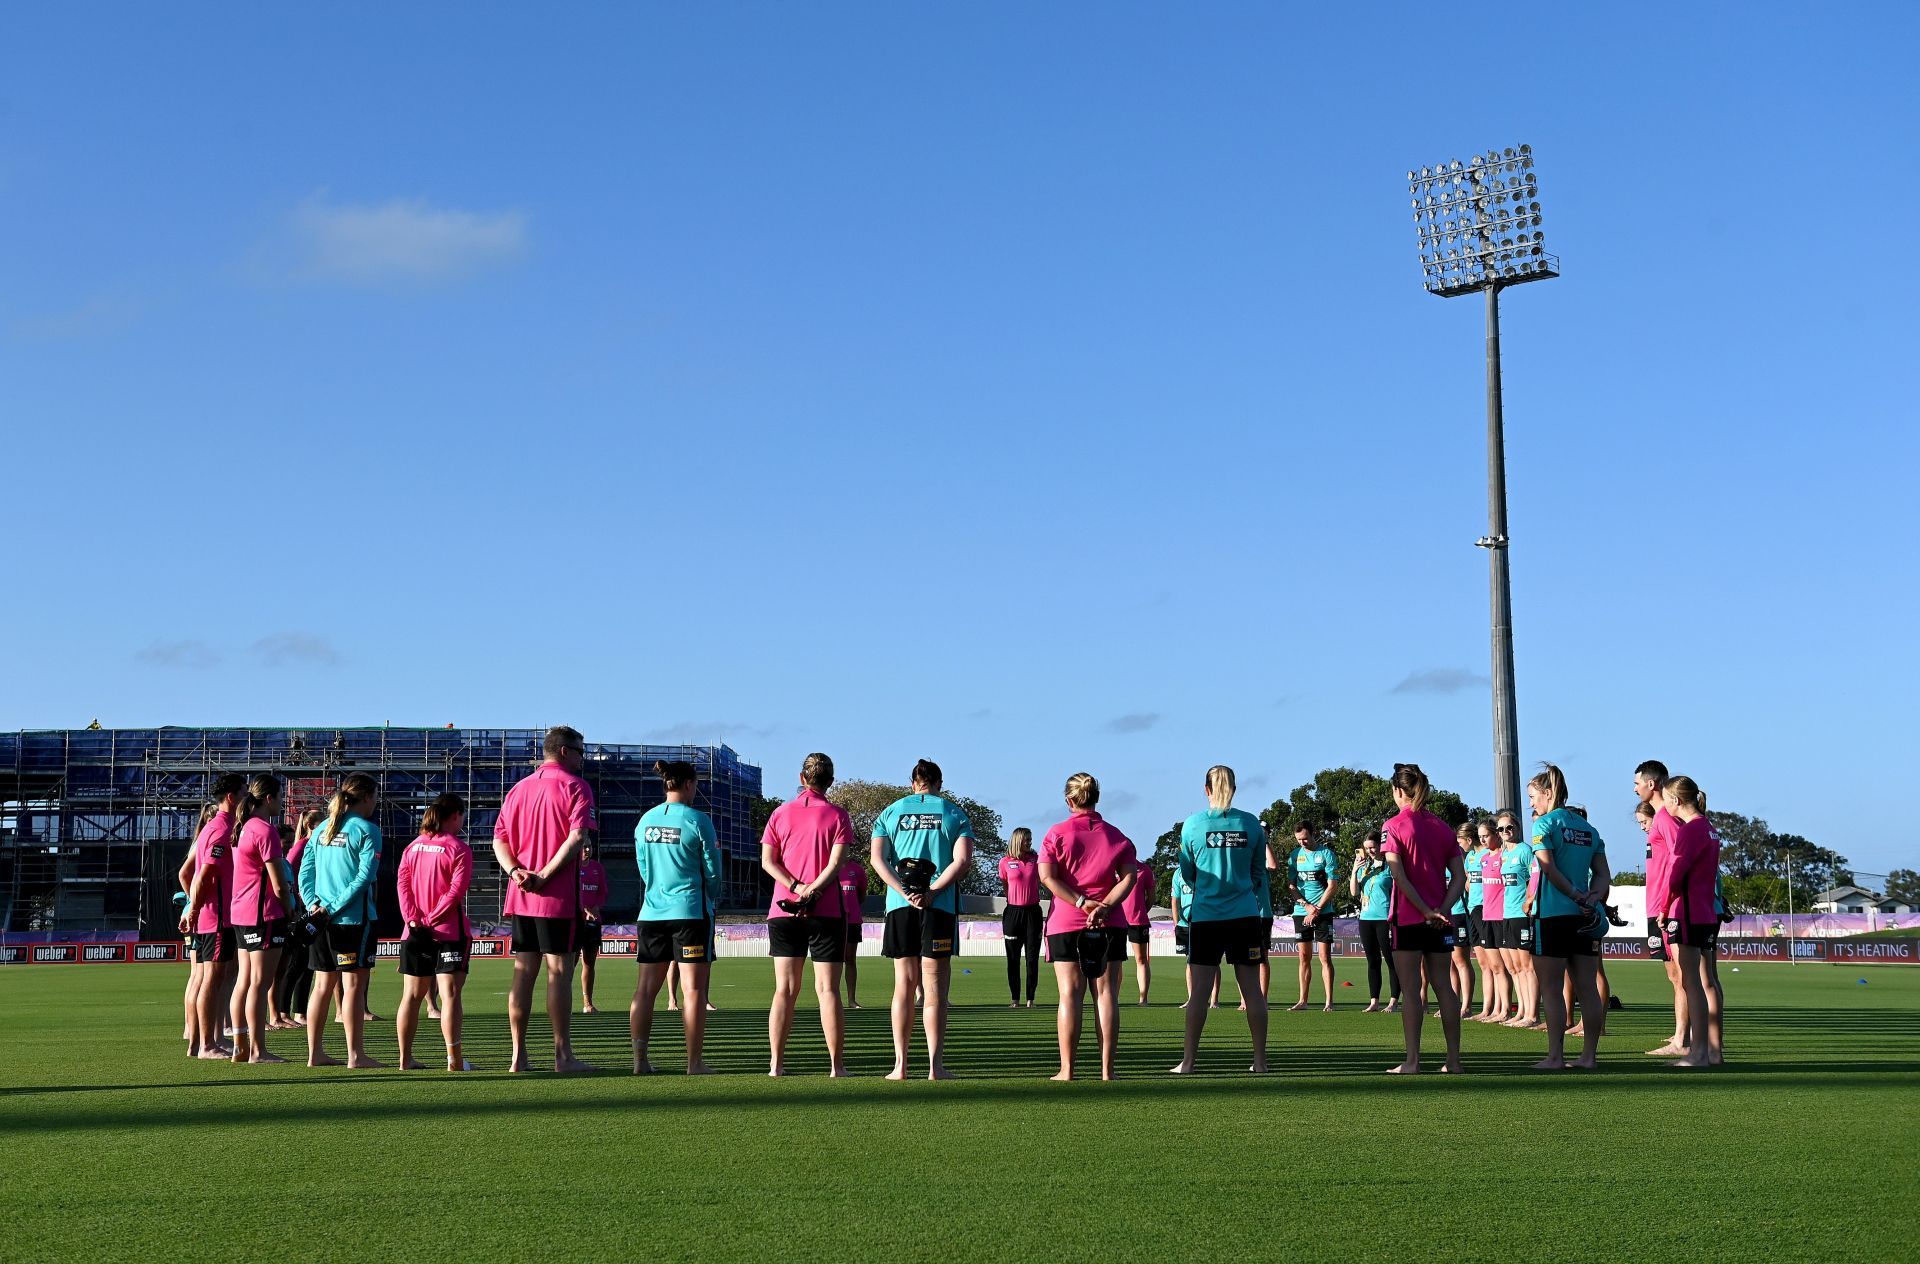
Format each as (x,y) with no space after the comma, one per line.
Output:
(1479,225)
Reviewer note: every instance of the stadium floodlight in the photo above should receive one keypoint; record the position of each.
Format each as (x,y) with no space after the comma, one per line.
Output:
(1490,206)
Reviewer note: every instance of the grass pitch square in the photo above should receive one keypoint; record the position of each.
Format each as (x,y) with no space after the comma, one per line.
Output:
(1804,1147)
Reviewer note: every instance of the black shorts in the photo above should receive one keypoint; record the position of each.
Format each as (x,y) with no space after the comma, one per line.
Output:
(1139,934)
(1021,923)
(587,938)
(913,932)
(688,940)
(1422,938)
(1462,929)
(1066,945)
(1656,940)
(213,945)
(1702,935)
(1476,929)
(822,938)
(424,958)
(1181,935)
(1321,932)
(1516,933)
(1242,941)
(349,948)
(1561,937)
(548,936)
(855,933)
(271,934)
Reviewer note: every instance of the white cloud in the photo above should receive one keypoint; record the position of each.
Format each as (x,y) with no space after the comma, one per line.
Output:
(188,654)
(287,648)
(405,240)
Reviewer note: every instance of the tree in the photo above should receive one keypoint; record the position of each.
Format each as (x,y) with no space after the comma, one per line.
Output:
(1904,885)
(866,800)
(1750,851)
(1166,858)
(1341,803)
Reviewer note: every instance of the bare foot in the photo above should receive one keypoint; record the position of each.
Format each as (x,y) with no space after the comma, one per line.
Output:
(838,1073)
(699,1068)
(261,1055)
(1301,1005)
(1183,1067)
(1405,1068)
(519,1066)
(855,1005)
(1667,1050)
(776,1071)
(464,1066)
(939,1073)
(898,1073)
(1372,1006)
(413,1064)
(321,1060)
(1586,1063)
(1690,1064)
(1108,1077)
(1550,1064)
(215,1054)
(671,1007)
(1259,1068)
(1061,1077)
(364,1063)
(1327,1008)
(642,1066)
(569,1065)
(1576,1031)
(712,1008)
(589,1009)
(1452,1067)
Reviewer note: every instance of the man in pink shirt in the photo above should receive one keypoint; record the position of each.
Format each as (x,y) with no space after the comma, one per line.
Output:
(804,846)
(1649,779)
(543,825)
(1133,911)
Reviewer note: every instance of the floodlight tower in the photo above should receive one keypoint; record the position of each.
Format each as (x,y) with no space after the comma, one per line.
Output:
(1479,224)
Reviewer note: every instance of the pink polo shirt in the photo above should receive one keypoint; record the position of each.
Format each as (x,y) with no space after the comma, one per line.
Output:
(1089,856)
(538,815)
(1661,833)
(434,872)
(853,889)
(802,833)
(213,849)
(1424,844)
(1022,878)
(1696,863)
(593,885)
(253,902)
(1493,887)
(1140,899)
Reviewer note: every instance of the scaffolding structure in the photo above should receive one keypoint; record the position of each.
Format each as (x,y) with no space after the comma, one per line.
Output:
(95,823)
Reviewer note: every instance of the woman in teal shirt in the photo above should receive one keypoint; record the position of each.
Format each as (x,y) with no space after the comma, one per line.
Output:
(1516,931)
(338,874)
(1369,885)
(678,854)
(1573,882)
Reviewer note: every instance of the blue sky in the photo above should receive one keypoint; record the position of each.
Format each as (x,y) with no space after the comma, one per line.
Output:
(1033,388)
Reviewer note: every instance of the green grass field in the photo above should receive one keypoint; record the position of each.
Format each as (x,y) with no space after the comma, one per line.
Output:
(1803,1147)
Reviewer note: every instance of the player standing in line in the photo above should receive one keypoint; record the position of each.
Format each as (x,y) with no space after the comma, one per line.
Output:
(338,873)
(1135,915)
(207,878)
(1649,780)
(1310,873)
(853,892)
(802,849)
(1573,885)
(1462,931)
(1493,930)
(1089,866)
(922,844)
(593,898)
(1691,918)
(435,871)
(1516,928)
(1222,861)
(1020,920)
(257,912)
(1182,896)
(1428,875)
(296,967)
(678,855)
(537,839)
(1371,887)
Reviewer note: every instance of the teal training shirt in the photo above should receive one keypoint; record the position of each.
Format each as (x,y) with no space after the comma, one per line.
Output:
(678,855)
(1182,899)
(1475,895)
(1223,859)
(1376,883)
(1574,844)
(922,827)
(341,872)
(1516,866)
(1311,869)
